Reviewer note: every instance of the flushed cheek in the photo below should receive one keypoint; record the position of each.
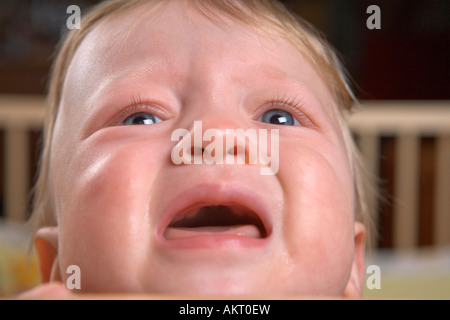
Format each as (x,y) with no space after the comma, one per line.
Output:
(318,219)
(104,219)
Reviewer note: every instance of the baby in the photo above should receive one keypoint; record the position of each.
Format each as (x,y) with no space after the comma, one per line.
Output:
(111,200)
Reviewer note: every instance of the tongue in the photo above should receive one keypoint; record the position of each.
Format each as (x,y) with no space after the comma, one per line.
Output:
(247,230)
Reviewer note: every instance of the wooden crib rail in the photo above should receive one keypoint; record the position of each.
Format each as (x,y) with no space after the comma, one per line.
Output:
(409,121)
(18,115)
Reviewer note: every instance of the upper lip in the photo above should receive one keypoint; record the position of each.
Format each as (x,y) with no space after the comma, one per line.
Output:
(234,196)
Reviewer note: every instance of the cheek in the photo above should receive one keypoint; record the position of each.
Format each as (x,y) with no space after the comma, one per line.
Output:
(317,176)
(103,208)
(319,208)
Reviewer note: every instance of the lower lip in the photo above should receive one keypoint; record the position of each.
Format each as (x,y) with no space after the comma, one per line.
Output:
(211,240)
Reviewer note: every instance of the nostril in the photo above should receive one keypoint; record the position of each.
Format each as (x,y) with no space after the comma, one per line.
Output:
(197,151)
(242,154)
(237,150)
(233,151)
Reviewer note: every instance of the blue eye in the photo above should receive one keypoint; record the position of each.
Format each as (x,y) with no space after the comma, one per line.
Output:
(279,117)
(141,118)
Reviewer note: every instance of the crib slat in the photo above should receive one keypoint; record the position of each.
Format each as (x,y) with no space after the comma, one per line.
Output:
(369,145)
(16,175)
(442,195)
(406,191)
(370,149)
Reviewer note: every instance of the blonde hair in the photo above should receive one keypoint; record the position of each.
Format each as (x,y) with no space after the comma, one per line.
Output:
(265,15)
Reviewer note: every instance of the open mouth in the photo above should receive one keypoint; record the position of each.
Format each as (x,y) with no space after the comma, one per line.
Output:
(216,220)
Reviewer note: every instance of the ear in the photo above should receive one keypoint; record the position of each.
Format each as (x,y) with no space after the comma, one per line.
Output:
(355,283)
(46,244)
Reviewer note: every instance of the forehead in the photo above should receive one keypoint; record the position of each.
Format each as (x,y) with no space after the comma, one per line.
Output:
(169,23)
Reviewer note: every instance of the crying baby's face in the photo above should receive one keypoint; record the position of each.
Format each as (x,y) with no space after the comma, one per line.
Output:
(134,220)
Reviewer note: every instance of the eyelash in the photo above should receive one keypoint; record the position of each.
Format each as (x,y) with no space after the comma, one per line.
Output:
(138,105)
(290,105)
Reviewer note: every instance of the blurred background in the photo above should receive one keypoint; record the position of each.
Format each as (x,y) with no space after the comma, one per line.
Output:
(399,72)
